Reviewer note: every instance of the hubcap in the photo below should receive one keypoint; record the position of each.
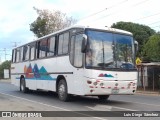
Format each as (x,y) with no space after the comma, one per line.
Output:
(22,86)
(61,90)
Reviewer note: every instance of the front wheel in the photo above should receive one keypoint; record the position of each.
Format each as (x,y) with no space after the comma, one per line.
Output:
(63,91)
(23,87)
(103,97)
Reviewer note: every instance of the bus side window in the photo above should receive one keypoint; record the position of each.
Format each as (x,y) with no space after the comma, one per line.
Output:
(26,52)
(51,47)
(42,45)
(14,56)
(18,55)
(63,43)
(32,52)
(71,55)
(21,54)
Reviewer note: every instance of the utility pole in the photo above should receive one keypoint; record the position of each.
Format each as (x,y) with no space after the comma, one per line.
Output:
(5,53)
(15,44)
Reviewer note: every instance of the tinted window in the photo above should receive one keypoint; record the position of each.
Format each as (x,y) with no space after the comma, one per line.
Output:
(51,46)
(32,52)
(18,55)
(42,48)
(26,52)
(63,43)
(13,55)
(72,50)
(100,51)
(21,52)
(78,53)
(75,51)
(60,45)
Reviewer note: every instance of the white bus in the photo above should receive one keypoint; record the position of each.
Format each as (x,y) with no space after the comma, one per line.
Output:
(77,61)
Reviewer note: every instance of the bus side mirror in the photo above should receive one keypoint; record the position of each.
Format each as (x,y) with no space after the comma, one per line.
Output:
(136,46)
(84,44)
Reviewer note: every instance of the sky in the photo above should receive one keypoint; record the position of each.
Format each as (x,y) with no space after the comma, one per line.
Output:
(17,15)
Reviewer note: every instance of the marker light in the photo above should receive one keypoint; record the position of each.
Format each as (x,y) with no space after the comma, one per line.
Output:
(89,82)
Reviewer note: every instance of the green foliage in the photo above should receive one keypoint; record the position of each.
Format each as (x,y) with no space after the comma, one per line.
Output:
(152,49)
(5,65)
(50,21)
(141,33)
(38,27)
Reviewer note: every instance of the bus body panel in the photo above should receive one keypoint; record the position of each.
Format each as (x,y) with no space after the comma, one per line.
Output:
(47,73)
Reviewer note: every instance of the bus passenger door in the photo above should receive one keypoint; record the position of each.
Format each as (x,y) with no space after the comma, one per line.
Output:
(76,58)
(30,52)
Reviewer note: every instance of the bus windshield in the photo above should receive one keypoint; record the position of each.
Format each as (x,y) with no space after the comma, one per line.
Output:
(109,50)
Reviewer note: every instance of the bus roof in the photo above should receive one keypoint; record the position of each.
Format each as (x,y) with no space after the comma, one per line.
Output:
(91,27)
(107,29)
(114,30)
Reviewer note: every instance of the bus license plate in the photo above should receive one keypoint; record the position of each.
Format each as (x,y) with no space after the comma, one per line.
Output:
(115,91)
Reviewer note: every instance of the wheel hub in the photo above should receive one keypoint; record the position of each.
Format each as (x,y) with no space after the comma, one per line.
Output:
(61,90)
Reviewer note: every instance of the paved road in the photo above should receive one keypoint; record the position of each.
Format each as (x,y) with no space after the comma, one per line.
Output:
(44,101)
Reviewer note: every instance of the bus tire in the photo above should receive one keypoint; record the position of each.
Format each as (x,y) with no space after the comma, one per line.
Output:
(63,91)
(103,97)
(23,87)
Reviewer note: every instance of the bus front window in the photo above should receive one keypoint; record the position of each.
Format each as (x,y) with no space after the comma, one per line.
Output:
(124,51)
(108,50)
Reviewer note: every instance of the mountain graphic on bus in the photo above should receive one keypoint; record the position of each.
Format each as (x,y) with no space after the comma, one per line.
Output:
(36,73)
(105,75)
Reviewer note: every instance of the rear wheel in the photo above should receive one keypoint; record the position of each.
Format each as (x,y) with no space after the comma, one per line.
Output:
(103,97)
(63,91)
(23,87)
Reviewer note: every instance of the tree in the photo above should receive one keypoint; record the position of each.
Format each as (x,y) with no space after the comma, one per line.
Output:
(5,65)
(141,33)
(152,49)
(50,21)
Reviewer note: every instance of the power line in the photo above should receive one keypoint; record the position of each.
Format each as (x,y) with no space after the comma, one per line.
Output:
(93,14)
(153,23)
(146,17)
(156,26)
(130,6)
(117,4)
(139,3)
(105,9)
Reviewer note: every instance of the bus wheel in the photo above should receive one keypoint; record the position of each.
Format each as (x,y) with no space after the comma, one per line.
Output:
(103,97)
(63,91)
(23,87)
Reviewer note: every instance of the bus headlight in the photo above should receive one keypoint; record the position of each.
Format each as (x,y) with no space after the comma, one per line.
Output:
(95,83)
(101,84)
(133,84)
(129,85)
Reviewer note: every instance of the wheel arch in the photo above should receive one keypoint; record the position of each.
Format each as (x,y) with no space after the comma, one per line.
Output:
(22,76)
